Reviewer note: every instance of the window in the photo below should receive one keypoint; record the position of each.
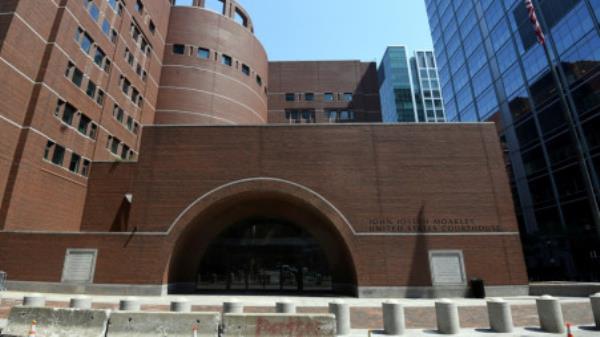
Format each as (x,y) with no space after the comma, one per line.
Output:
(93,131)
(114,145)
(84,40)
(124,151)
(68,114)
(93,10)
(139,6)
(129,123)
(246,70)
(125,85)
(332,116)
(74,164)
(118,113)
(48,149)
(203,53)
(290,97)
(74,74)
(348,97)
(59,155)
(258,80)
(309,96)
(328,97)
(100,97)
(84,124)
(99,58)
(179,49)
(85,170)
(113,3)
(226,60)
(135,95)
(91,89)
(152,27)
(106,27)
(113,36)
(136,128)
(240,18)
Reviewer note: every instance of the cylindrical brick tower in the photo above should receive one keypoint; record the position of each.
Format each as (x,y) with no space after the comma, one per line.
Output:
(215,71)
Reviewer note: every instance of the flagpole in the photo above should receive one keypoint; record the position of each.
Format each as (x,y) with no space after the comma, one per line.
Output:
(585,172)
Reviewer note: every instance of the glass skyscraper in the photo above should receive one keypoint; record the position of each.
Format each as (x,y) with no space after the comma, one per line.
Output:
(492,69)
(409,88)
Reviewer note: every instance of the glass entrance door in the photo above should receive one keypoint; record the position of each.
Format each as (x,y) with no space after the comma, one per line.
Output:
(264,256)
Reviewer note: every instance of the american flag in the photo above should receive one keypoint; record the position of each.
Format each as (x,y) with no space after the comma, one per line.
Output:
(534,21)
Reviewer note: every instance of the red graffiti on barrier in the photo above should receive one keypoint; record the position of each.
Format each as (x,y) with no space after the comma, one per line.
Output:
(290,328)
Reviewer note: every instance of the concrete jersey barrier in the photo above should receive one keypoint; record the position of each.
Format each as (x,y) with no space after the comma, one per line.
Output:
(163,324)
(278,325)
(53,322)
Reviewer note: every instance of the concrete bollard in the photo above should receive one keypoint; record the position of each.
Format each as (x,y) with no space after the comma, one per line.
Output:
(129,304)
(446,313)
(181,305)
(500,315)
(81,302)
(393,318)
(285,307)
(233,307)
(595,299)
(34,300)
(550,314)
(341,311)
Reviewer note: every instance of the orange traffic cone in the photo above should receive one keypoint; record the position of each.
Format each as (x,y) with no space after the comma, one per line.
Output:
(195,330)
(569,334)
(33,331)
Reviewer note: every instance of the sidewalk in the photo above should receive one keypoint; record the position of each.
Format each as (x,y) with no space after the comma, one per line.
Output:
(365,312)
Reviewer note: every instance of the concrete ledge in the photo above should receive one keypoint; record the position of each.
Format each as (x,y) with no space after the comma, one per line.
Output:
(160,324)
(57,322)
(278,325)
(564,289)
(92,289)
(439,292)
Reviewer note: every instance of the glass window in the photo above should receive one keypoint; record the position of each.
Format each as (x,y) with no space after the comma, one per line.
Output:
(348,97)
(77,78)
(58,156)
(139,6)
(84,123)
(106,27)
(309,96)
(99,57)
(203,53)
(290,97)
(328,97)
(226,60)
(68,114)
(94,11)
(85,170)
(179,49)
(74,164)
(48,149)
(245,70)
(258,80)
(91,89)
(86,43)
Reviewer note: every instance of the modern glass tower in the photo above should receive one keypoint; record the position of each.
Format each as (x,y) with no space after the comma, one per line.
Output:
(493,69)
(409,87)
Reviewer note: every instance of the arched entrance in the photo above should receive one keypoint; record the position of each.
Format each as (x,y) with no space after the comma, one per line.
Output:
(265,256)
(262,237)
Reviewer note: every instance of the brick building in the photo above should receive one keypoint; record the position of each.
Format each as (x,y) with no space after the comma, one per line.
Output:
(220,195)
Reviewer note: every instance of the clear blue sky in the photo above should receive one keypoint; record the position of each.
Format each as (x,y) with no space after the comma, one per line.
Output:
(337,29)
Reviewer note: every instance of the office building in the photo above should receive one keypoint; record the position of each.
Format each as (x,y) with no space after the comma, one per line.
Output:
(409,87)
(493,69)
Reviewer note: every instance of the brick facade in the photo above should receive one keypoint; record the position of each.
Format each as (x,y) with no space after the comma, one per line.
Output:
(377,197)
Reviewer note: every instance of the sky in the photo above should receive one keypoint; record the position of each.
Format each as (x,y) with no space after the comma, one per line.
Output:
(337,29)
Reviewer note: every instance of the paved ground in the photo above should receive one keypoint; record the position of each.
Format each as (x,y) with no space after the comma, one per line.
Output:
(365,313)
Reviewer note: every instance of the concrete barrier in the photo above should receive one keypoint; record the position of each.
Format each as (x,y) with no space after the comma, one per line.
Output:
(393,318)
(130,304)
(446,313)
(81,302)
(595,301)
(550,314)
(161,324)
(500,315)
(278,325)
(341,311)
(181,305)
(233,307)
(57,322)
(34,300)
(285,307)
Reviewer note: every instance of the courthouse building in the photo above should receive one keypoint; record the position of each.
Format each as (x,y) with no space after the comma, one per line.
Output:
(146,148)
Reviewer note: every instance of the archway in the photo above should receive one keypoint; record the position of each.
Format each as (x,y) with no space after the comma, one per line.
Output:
(220,225)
